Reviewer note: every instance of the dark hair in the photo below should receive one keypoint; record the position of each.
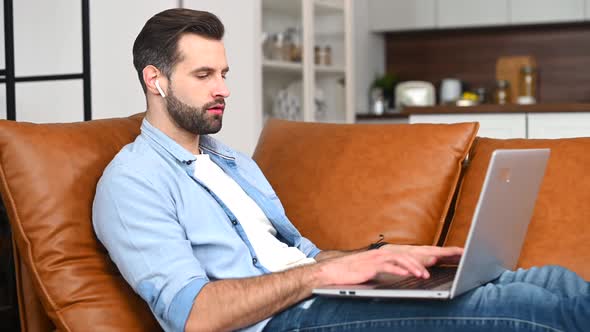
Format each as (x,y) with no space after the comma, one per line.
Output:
(157,43)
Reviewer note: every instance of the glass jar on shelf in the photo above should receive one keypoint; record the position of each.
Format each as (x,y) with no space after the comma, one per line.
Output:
(323,55)
(295,44)
(327,56)
(318,55)
(280,49)
(502,92)
(482,95)
(527,85)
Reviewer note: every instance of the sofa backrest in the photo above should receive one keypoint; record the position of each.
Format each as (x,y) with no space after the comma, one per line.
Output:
(559,232)
(344,185)
(48,176)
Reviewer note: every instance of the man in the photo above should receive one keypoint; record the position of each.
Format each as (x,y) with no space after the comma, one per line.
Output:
(197,231)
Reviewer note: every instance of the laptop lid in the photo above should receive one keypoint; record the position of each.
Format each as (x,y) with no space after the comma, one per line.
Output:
(497,232)
(502,215)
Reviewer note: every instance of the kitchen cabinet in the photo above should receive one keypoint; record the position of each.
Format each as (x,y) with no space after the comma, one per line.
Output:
(300,87)
(399,15)
(512,125)
(510,120)
(464,13)
(546,11)
(386,15)
(558,125)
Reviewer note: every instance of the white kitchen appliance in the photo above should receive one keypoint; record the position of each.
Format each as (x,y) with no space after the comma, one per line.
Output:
(414,93)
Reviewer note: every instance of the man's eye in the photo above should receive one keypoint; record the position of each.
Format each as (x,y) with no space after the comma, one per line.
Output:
(202,77)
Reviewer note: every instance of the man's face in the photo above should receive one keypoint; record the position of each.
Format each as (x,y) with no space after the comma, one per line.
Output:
(196,95)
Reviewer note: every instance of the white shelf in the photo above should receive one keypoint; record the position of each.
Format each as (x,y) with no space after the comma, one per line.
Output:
(288,7)
(330,34)
(293,7)
(328,7)
(282,66)
(297,67)
(336,70)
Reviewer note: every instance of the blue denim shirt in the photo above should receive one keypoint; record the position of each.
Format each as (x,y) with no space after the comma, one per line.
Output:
(168,234)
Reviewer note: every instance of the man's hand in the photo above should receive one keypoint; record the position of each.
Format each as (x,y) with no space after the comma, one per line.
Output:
(399,260)
(428,255)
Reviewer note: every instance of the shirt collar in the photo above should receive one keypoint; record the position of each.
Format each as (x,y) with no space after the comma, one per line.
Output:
(207,143)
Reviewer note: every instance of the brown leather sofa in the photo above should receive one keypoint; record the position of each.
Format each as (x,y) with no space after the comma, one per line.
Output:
(342,185)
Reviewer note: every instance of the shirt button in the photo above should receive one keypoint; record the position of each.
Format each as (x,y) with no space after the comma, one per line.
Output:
(234,222)
(254,260)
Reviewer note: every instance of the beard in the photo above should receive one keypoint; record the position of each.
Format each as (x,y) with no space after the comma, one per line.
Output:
(193,119)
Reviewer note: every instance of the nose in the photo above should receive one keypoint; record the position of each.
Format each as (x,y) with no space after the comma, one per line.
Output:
(221,90)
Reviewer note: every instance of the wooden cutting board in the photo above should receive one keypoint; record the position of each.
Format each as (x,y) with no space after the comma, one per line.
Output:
(508,68)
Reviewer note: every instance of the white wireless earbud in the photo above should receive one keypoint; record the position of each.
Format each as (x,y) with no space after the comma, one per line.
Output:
(160,89)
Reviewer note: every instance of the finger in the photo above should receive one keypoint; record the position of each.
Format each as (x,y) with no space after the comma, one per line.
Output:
(442,253)
(423,261)
(413,265)
(395,269)
(451,251)
(450,256)
(408,261)
(428,261)
(450,259)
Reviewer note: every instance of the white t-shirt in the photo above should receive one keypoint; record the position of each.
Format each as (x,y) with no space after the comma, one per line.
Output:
(272,253)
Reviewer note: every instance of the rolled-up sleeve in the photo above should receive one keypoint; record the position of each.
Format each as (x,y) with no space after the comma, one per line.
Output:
(136,221)
(308,248)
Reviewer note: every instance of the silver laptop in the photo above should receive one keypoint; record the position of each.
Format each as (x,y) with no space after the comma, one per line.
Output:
(494,242)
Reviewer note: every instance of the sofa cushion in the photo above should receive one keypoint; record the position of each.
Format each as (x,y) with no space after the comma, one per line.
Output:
(343,185)
(48,176)
(559,232)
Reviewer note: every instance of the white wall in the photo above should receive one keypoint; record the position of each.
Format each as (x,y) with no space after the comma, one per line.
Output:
(114,24)
(242,121)
(47,41)
(47,37)
(51,48)
(369,53)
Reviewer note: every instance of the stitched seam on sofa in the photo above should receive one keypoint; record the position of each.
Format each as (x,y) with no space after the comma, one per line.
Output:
(28,251)
(446,227)
(471,153)
(465,152)
(465,319)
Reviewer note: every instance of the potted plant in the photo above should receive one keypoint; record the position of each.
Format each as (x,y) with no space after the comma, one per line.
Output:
(382,89)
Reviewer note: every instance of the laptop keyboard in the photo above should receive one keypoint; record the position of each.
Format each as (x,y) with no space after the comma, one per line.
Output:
(438,276)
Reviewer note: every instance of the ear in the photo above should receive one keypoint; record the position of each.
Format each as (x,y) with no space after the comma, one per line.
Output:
(151,74)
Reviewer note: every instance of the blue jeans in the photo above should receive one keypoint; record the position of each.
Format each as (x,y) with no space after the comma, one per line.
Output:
(549,298)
